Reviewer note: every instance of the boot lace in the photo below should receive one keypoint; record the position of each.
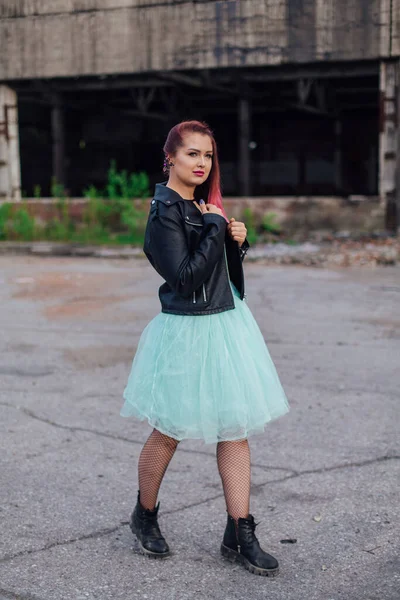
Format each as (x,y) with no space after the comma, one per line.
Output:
(247,533)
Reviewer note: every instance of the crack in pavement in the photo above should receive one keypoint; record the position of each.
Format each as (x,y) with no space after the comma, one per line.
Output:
(112,436)
(87,536)
(295,475)
(7,595)
(107,531)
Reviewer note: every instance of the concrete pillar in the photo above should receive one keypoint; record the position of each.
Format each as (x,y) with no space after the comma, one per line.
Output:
(389,145)
(338,155)
(397,178)
(58,135)
(10,166)
(244,124)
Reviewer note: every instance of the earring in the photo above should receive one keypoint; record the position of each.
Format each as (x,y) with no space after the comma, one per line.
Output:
(167,165)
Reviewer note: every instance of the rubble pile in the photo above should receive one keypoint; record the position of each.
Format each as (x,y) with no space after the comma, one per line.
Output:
(338,253)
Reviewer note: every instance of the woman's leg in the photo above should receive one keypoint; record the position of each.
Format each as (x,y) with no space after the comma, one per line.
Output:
(153,462)
(240,542)
(234,468)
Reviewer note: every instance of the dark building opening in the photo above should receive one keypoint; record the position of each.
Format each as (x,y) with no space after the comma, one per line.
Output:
(315,140)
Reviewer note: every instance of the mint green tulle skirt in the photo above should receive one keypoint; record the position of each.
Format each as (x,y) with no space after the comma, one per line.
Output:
(206,377)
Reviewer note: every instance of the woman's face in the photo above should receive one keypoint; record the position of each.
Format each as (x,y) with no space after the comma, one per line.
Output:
(192,161)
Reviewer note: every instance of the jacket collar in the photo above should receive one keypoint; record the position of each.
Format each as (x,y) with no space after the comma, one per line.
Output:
(166,195)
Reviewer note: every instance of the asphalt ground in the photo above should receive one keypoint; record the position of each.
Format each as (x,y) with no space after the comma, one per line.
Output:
(326,475)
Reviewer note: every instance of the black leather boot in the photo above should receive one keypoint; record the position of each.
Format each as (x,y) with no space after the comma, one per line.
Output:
(144,525)
(243,547)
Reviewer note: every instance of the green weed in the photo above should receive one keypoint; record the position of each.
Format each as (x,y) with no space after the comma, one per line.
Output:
(249,220)
(269,223)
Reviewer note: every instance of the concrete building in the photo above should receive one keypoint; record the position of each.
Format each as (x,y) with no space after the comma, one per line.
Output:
(303,95)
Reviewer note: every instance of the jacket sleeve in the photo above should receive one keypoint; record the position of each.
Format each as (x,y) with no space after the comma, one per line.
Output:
(169,254)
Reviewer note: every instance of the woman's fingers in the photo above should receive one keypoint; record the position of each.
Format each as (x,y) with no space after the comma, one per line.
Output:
(202,206)
(213,209)
(234,223)
(237,226)
(237,230)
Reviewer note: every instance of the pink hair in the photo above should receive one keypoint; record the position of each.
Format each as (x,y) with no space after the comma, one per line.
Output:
(210,190)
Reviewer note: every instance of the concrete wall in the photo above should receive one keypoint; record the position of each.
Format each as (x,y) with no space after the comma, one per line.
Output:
(297,215)
(40,38)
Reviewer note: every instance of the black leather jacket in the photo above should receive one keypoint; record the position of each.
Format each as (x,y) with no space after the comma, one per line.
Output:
(194,254)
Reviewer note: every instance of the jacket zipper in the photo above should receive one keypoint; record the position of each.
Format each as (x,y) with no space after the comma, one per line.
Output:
(227,270)
(196,225)
(242,272)
(204,295)
(204,287)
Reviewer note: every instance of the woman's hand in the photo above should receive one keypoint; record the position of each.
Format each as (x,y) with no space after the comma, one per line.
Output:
(210,208)
(237,231)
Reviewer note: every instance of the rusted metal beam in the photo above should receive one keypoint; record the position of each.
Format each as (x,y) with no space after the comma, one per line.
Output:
(203,81)
(389,147)
(244,122)
(10,167)
(145,115)
(324,70)
(58,133)
(4,124)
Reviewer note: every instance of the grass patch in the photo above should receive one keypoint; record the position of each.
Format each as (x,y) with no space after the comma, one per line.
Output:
(110,216)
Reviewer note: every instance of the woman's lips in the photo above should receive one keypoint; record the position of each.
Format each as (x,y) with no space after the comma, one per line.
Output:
(199,173)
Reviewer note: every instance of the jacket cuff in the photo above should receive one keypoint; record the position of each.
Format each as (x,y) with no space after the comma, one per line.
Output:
(243,249)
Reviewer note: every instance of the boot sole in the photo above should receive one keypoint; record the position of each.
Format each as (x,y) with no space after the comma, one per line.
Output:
(234,556)
(144,550)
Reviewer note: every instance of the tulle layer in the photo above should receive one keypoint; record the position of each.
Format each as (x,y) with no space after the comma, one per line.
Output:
(206,377)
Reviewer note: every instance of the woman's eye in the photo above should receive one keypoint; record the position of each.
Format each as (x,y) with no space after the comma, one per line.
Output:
(193,154)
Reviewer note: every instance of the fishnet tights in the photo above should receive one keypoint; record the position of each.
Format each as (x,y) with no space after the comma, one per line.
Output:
(234,468)
(233,464)
(153,462)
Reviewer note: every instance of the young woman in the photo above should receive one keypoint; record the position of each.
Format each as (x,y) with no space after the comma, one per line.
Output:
(202,369)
